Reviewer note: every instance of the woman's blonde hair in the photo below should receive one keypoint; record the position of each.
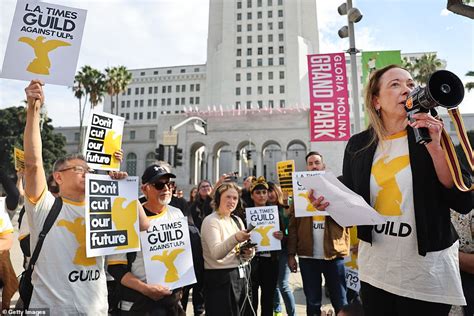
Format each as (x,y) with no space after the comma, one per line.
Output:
(372,90)
(220,190)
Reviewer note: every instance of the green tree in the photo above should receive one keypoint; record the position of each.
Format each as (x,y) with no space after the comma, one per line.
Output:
(117,80)
(470,85)
(89,85)
(425,66)
(12,125)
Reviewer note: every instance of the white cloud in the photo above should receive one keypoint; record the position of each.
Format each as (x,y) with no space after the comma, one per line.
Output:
(137,34)
(445,12)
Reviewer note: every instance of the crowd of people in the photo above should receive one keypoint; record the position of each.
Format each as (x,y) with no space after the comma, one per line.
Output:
(413,264)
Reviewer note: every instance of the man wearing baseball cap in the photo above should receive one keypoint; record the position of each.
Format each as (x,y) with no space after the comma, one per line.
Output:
(137,295)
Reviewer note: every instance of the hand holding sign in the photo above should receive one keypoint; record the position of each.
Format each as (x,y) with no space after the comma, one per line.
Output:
(44,42)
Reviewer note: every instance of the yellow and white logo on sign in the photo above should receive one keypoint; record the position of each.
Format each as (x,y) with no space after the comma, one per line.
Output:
(124,218)
(263,231)
(168,258)
(112,143)
(41,64)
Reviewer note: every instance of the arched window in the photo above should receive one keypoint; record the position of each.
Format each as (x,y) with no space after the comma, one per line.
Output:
(150,159)
(297,151)
(131,164)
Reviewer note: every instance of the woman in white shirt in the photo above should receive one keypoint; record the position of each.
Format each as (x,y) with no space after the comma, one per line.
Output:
(225,262)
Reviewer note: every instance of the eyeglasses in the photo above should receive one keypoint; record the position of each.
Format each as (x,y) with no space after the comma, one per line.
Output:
(204,186)
(161,185)
(78,169)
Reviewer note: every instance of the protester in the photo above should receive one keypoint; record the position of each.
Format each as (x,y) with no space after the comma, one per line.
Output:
(201,206)
(8,280)
(464,225)
(321,245)
(226,275)
(246,190)
(409,264)
(275,197)
(137,296)
(192,195)
(64,279)
(265,263)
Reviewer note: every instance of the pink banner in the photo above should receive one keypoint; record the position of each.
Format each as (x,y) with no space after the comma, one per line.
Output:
(329,108)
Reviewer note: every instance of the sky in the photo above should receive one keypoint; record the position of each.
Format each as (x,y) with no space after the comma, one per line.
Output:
(162,33)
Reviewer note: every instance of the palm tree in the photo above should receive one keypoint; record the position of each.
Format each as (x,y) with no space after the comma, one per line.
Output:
(89,83)
(96,85)
(117,81)
(470,85)
(425,66)
(422,68)
(79,90)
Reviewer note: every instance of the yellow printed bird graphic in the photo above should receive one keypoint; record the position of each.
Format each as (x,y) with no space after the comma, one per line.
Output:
(111,145)
(41,64)
(78,229)
(389,197)
(124,219)
(168,259)
(309,207)
(263,231)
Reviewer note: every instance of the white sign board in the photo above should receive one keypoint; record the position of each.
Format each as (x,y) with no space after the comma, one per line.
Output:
(345,207)
(303,206)
(103,139)
(112,224)
(266,222)
(44,42)
(167,253)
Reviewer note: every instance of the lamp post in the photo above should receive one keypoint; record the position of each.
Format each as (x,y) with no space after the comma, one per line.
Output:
(353,16)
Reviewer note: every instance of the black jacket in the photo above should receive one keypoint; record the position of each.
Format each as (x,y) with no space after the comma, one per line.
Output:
(432,200)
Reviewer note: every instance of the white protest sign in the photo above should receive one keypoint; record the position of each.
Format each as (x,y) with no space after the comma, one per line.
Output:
(103,139)
(44,42)
(352,279)
(167,253)
(112,224)
(345,207)
(303,206)
(266,222)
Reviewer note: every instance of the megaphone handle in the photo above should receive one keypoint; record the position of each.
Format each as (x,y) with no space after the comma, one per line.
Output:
(422,135)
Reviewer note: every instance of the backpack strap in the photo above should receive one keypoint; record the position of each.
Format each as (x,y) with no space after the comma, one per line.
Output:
(236,220)
(48,223)
(20,216)
(131,256)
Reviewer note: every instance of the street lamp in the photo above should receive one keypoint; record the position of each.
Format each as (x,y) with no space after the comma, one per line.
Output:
(353,16)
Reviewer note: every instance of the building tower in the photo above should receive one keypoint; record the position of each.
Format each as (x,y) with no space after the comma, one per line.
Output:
(256,52)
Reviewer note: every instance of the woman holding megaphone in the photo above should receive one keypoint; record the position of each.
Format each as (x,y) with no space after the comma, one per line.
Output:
(408,265)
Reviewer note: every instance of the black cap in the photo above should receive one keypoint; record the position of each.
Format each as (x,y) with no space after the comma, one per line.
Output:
(154,172)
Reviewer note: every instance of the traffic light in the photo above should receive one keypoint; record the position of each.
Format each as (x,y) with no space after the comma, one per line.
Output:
(249,154)
(160,152)
(178,157)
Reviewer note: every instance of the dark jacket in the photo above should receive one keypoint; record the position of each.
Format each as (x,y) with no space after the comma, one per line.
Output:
(200,209)
(336,240)
(432,200)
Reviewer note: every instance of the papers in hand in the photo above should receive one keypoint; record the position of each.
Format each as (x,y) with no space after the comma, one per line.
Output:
(345,207)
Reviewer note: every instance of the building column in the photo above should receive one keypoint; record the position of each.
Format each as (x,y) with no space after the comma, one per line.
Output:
(259,163)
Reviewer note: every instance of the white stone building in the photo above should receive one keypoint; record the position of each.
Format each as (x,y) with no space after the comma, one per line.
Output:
(253,92)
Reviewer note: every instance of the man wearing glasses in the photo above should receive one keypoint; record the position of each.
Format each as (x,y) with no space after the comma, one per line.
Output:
(137,296)
(64,279)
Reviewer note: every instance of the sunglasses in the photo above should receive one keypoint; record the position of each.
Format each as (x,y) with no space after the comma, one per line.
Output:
(161,185)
